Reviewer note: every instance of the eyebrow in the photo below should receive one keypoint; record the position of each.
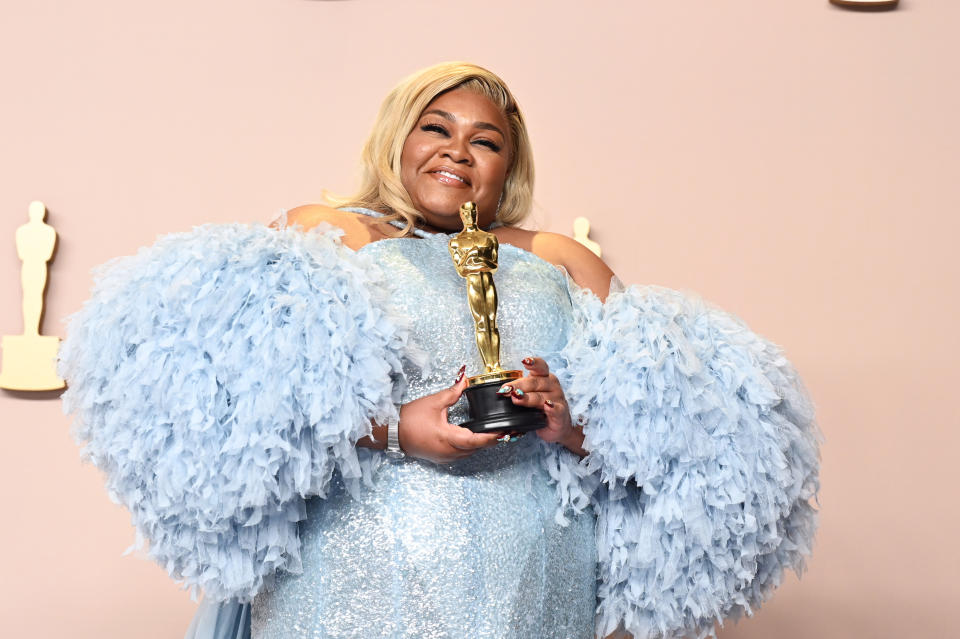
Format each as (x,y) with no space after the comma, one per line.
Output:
(480,125)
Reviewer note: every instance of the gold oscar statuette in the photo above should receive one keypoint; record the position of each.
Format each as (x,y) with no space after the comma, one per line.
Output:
(474,253)
(30,360)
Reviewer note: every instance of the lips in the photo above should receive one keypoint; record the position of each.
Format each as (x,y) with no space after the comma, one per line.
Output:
(450,177)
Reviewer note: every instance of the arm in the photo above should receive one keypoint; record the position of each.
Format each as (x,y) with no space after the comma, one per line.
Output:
(308,217)
(583,266)
(356,230)
(425,433)
(208,352)
(703,452)
(703,441)
(540,386)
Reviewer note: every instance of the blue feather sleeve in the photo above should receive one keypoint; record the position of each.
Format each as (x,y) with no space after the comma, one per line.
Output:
(703,440)
(218,378)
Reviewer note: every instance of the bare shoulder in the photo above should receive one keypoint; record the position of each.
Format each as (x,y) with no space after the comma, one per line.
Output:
(357,230)
(586,269)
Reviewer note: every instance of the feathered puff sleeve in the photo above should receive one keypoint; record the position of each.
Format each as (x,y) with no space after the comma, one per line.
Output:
(703,459)
(218,378)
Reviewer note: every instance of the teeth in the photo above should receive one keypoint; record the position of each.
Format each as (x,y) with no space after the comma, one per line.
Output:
(451,175)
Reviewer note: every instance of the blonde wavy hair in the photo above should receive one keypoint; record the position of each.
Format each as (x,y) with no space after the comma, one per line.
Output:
(381,188)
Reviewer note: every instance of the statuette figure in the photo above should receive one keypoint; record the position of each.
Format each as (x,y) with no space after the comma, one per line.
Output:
(29,360)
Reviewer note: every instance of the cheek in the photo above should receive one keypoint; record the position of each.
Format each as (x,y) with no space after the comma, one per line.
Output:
(408,176)
(496,173)
(412,157)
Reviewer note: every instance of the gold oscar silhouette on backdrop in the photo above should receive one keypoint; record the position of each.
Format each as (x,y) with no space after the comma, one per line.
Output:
(30,360)
(581,233)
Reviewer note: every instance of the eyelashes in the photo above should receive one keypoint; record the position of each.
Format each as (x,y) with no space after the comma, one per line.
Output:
(489,143)
(437,128)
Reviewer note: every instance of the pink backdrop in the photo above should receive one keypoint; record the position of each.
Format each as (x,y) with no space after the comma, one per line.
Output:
(793,162)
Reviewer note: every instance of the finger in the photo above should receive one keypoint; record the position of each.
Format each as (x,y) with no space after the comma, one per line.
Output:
(556,409)
(463,439)
(451,395)
(532,399)
(558,414)
(536,366)
(465,450)
(546,384)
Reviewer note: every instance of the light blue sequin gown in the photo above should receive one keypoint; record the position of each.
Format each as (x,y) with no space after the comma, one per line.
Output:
(679,397)
(468,549)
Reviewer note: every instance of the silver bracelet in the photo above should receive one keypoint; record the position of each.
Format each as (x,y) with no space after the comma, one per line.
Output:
(393,439)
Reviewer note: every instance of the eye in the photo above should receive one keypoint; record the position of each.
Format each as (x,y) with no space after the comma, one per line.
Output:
(434,128)
(493,146)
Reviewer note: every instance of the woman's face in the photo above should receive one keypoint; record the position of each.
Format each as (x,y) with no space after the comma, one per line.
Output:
(458,151)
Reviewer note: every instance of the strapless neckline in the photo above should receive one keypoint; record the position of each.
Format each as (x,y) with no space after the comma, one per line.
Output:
(435,237)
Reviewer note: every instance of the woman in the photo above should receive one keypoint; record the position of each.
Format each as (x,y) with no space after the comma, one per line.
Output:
(466,143)
(289,360)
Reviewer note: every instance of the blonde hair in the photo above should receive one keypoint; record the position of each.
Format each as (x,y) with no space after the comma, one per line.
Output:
(381,188)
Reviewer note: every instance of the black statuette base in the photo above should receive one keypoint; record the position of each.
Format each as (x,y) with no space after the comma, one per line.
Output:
(492,412)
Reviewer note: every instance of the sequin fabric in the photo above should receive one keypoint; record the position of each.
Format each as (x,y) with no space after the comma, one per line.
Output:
(469,549)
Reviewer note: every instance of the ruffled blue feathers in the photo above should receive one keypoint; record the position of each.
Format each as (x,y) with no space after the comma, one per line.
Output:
(704,440)
(218,378)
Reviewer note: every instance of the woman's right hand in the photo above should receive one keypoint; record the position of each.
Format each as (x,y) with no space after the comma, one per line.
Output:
(425,433)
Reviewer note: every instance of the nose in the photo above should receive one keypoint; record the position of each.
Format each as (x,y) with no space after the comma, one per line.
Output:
(458,152)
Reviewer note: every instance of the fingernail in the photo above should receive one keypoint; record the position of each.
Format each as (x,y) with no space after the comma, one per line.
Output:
(463,369)
(548,402)
(527,361)
(517,392)
(505,438)
(505,390)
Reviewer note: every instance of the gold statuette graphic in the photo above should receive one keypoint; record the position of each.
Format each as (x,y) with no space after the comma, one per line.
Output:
(581,233)
(30,360)
(475,252)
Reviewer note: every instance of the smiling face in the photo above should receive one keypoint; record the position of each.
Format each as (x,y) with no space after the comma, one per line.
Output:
(458,151)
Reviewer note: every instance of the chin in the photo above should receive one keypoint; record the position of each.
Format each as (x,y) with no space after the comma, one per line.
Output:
(443,210)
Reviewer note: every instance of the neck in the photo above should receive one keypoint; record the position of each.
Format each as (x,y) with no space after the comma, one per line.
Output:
(430,228)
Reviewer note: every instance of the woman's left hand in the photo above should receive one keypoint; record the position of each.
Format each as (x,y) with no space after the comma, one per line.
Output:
(541,389)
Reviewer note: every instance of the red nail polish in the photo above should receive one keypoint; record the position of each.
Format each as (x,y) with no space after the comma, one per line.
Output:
(527,361)
(548,403)
(463,369)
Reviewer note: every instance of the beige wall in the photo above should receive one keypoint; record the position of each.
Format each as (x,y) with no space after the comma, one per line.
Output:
(793,162)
